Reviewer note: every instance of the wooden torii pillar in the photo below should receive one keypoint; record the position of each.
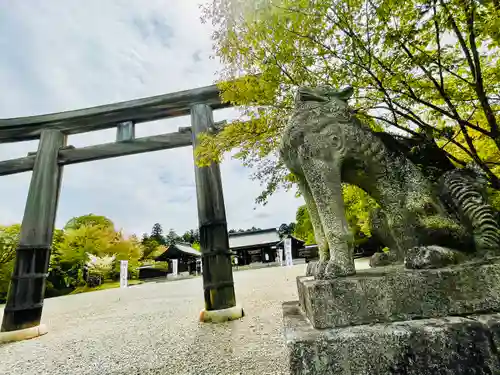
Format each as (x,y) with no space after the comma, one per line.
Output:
(23,311)
(220,301)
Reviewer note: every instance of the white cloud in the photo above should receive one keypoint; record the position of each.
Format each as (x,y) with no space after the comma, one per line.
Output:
(59,55)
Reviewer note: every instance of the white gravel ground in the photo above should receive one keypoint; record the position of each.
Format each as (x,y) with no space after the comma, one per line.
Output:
(153,329)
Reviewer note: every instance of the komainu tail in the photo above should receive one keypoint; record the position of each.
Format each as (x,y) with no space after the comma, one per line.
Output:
(463,192)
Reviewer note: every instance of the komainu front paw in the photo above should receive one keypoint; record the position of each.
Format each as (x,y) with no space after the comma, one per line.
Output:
(316,269)
(334,270)
(310,268)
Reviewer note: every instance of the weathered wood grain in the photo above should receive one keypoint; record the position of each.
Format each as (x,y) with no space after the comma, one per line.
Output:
(125,131)
(217,126)
(26,292)
(18,165)
(43,194)
(214,242)
(107,116)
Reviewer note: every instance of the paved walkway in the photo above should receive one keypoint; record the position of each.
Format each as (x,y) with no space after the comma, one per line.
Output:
(153,329)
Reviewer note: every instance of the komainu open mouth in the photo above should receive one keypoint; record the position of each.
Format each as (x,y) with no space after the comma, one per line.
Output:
(306,94)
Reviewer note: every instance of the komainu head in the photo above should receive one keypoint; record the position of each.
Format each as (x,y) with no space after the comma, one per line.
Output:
(322,94)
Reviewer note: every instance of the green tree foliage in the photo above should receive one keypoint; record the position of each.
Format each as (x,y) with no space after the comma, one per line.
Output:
(9,239)
(149,246)
(191,236)
(358,206)
(56,281)
(417,67)
(303,226)
(125,249)
(89,220)
(172,238)
(252,229)
(77,243)
(84,238)
(153,244)
(286,229)
(71,249)
(157,234)
(98,268)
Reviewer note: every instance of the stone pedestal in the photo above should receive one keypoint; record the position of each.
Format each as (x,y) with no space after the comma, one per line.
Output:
(397,321)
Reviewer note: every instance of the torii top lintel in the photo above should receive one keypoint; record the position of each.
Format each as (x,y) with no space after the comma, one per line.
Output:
(108,116)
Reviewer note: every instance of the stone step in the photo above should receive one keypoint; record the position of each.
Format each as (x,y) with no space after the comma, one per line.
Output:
(445,346)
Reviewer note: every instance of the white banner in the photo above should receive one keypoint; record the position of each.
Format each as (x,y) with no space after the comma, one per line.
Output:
(280,256)
(123,273)
(198,266)
(175,267)
(288,252)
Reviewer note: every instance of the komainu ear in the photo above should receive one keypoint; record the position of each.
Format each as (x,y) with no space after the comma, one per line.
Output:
(345,93)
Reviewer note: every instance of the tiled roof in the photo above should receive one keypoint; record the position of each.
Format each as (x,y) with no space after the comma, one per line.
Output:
(174,251)
(255,238)
(185,248)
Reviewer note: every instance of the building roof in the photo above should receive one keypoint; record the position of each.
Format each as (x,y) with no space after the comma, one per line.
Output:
(294,240)
(152,267)
(314,246)
(177,250)
(254,238)
(186,248)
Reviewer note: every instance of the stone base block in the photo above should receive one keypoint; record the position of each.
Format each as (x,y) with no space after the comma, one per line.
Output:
(23,334)
(446,346)
(223,315)
(393,293)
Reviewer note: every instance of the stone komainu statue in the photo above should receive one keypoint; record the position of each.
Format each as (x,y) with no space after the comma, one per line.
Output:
(324,144)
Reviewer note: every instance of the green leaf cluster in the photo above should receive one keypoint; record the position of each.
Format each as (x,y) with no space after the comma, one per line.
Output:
(419,68)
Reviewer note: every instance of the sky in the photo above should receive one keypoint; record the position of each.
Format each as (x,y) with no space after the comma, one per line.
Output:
(61,55)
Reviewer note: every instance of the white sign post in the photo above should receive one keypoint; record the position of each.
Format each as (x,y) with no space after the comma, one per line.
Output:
(288,252)
(280,256)
(123,273)
(175,265)
(198,265)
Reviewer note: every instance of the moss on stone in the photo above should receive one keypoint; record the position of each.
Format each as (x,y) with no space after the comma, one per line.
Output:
(443,231)
(439,222)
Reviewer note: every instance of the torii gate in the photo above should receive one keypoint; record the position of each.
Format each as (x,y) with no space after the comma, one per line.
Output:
(23,310)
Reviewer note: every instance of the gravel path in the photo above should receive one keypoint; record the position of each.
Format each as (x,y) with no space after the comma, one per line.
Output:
(153,329)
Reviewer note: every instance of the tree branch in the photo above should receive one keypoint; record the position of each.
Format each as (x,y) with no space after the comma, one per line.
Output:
(460,38)
(438,42)
(413,96)
(392,123)
(483,99)
(455,159)
(444,67)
